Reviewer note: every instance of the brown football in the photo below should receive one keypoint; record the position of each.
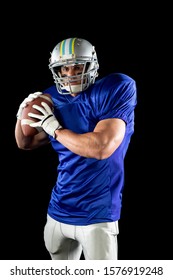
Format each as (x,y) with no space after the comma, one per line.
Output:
(26,120)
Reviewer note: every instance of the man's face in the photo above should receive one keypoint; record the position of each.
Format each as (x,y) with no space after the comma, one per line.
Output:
(72,70)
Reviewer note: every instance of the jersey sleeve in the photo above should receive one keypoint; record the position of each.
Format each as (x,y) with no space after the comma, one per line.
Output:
(117,100)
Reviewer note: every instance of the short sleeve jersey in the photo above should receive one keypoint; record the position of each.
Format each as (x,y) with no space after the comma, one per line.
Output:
(89,190)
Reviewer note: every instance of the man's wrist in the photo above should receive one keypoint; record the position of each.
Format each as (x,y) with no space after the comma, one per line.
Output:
(57,131)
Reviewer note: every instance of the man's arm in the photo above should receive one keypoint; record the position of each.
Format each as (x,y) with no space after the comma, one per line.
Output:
(29,143)
(100,144)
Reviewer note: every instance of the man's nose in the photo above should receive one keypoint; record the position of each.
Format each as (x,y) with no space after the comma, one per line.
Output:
(71,71)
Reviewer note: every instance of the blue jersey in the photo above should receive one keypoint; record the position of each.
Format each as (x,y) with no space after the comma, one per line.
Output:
(89,190)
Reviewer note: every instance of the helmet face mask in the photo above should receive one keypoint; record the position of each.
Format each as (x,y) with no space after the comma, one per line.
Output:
(70,52)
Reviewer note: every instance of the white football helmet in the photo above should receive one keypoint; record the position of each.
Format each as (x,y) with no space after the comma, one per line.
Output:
(68,53)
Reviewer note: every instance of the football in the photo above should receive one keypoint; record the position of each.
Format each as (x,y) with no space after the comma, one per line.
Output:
(26,120)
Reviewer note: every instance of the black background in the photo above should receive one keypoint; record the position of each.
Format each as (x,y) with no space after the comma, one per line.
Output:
(131,40)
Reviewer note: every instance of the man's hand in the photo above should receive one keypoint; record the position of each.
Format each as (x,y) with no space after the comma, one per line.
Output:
(24,103)
(46,119)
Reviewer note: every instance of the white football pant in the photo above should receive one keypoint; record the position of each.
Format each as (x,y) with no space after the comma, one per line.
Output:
(66,242)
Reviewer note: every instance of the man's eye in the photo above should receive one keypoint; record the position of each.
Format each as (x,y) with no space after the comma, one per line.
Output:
(79,68)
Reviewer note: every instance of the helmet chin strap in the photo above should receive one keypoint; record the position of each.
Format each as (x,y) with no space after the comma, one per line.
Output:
(73,88)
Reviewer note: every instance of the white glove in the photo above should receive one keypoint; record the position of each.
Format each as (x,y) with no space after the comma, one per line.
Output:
(47,120)
(28,99)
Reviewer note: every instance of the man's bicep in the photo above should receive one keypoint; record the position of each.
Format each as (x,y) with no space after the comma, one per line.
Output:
(111,132)
(111,127)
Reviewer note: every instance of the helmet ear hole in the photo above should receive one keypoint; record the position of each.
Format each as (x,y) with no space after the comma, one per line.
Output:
(87,66)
